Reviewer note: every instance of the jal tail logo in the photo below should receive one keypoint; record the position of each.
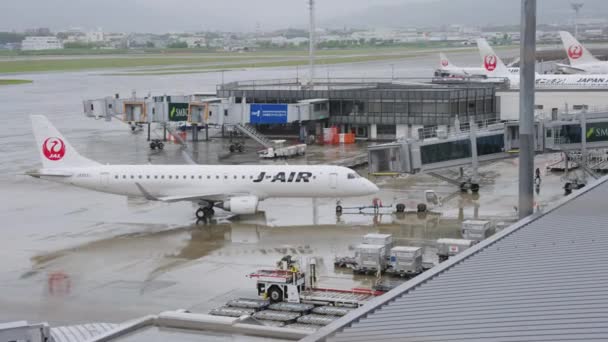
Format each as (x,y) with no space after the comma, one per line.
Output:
(489,62)
(444,63)
(575,51)
(53,148)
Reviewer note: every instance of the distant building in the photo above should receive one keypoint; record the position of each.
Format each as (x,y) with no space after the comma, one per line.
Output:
(10,46)
(41,43)
(142,40)
(194,41)
(95,36)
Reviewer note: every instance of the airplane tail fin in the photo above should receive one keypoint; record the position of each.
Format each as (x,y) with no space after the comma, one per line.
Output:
(55,150)
(444,62)
(490,60)
(577,53)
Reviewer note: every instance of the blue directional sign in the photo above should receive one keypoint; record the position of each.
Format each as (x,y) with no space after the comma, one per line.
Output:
(268,113)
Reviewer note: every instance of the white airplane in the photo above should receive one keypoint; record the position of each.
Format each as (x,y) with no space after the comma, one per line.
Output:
(448,69)
(581,60)
(497,69)
(234,188)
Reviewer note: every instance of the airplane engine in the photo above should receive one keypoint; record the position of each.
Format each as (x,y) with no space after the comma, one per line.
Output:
(241,205)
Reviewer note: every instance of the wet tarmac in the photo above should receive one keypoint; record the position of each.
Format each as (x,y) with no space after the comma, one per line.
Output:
(69,255)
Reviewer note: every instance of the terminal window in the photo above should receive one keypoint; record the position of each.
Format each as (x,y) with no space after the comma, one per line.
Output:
(445,151)
(490,144)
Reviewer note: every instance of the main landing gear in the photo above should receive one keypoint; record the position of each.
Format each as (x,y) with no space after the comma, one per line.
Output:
(205,211)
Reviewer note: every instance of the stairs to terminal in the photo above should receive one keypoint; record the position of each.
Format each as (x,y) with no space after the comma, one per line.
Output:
(254,134)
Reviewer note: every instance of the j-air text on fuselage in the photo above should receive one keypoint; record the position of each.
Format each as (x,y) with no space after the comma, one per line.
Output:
(283,177)
(234,188)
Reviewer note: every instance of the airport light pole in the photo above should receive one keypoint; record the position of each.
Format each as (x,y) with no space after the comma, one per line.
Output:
(311,42)
(577,8)
(527,51)
(392,71)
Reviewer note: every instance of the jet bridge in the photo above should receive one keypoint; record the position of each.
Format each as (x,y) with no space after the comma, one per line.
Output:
(574,132)
(581,131)
(427,155)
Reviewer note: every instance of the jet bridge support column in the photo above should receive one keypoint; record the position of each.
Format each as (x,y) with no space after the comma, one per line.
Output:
(474,158)
(583,120)
(526,108)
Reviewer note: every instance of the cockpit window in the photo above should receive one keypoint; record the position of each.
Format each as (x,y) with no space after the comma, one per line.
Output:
(353,176)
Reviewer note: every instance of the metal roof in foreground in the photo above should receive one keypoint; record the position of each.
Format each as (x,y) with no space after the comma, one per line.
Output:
(543,279)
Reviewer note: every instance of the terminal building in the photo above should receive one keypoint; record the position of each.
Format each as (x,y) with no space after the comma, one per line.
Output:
(372,109)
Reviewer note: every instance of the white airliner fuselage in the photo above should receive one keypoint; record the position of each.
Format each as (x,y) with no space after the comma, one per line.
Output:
(600,67)
(496,69)
(235,188)
(447,69)
(581,60)
(165,181)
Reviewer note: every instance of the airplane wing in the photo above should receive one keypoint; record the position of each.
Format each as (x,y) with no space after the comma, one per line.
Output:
(570,67)
(191,197)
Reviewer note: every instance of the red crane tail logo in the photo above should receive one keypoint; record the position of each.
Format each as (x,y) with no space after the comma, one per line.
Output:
(444,62)
(53,148)
(489,62)
(575,51)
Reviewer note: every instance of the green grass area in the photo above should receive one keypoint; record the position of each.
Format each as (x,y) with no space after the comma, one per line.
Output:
(73,64)
(186,60)
(13,82)
(180,62)
(62,52)
(287,51)
(210,68)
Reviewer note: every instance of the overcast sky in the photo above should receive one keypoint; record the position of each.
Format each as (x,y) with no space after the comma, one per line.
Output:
(159,16)
(173,15)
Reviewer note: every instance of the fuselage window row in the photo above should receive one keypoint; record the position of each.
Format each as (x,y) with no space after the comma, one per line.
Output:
(193,177)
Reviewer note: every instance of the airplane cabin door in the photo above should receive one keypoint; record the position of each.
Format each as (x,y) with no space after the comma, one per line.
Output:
(333,180)
(105,179)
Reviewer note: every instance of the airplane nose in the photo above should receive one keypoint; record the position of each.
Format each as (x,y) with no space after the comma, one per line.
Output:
(372,187)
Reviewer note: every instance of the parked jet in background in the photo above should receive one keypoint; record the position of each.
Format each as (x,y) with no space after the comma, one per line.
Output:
(497,69)
(234,188)
(447,69)
(581,60)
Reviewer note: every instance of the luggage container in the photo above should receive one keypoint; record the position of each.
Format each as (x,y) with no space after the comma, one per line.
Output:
(385,240)
(405,261)
(476,230)
(378,239)
(370,258)
(450,247)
